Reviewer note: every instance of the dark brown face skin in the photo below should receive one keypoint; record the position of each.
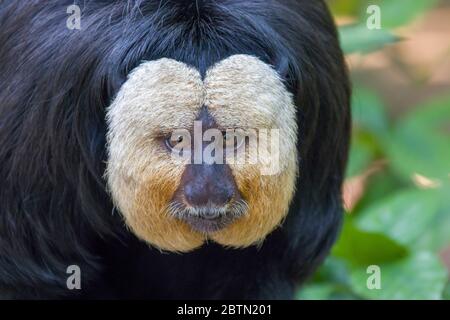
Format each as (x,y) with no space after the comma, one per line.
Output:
(208,198)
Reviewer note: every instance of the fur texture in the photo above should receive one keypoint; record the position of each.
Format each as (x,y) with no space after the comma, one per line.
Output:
(165,95)
(55,87)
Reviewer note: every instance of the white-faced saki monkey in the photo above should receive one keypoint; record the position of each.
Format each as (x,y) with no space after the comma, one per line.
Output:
(169,149)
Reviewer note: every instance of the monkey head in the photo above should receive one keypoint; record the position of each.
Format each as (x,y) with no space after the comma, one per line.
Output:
(178,203)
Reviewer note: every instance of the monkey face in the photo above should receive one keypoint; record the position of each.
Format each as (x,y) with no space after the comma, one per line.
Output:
(178,202)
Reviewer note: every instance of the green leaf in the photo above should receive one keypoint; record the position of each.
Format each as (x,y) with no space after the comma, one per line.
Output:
(421,276)
(437,236)
(358,38)
(326,291)
(382,185)
(330,281)
(364,248)
(434,115)
(414,151)
(396,13)
(362,153)
(369,112)
(421,143)
(403,216)
(334,270)
(320,291)
(345,7)
(370,128)
(446,294)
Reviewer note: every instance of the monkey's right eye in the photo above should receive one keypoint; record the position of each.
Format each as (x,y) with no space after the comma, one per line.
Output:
(174,142)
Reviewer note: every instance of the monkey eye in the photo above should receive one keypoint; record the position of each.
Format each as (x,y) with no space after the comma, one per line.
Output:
(175,142)
(233,139)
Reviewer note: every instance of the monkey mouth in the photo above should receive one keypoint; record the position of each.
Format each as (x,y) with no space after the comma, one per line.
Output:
(208,219)
(207,224)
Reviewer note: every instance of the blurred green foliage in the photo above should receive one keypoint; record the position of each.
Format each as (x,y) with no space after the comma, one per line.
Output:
(397,225)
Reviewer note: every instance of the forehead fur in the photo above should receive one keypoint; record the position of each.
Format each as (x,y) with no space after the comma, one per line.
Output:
(159,96)
(245,84)
(162,95)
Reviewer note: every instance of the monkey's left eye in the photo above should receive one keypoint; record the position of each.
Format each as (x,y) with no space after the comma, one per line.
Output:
(175,142)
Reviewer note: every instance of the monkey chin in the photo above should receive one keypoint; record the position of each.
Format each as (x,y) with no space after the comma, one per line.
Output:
(267,207)
(207,226)
(144,205)
(183,237)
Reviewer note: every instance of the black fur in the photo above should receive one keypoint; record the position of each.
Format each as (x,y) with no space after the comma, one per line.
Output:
(55,84)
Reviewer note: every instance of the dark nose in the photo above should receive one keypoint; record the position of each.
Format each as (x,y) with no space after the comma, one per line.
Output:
(208,184)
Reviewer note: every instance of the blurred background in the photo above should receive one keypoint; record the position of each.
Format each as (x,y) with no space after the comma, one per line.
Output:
(397,193)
